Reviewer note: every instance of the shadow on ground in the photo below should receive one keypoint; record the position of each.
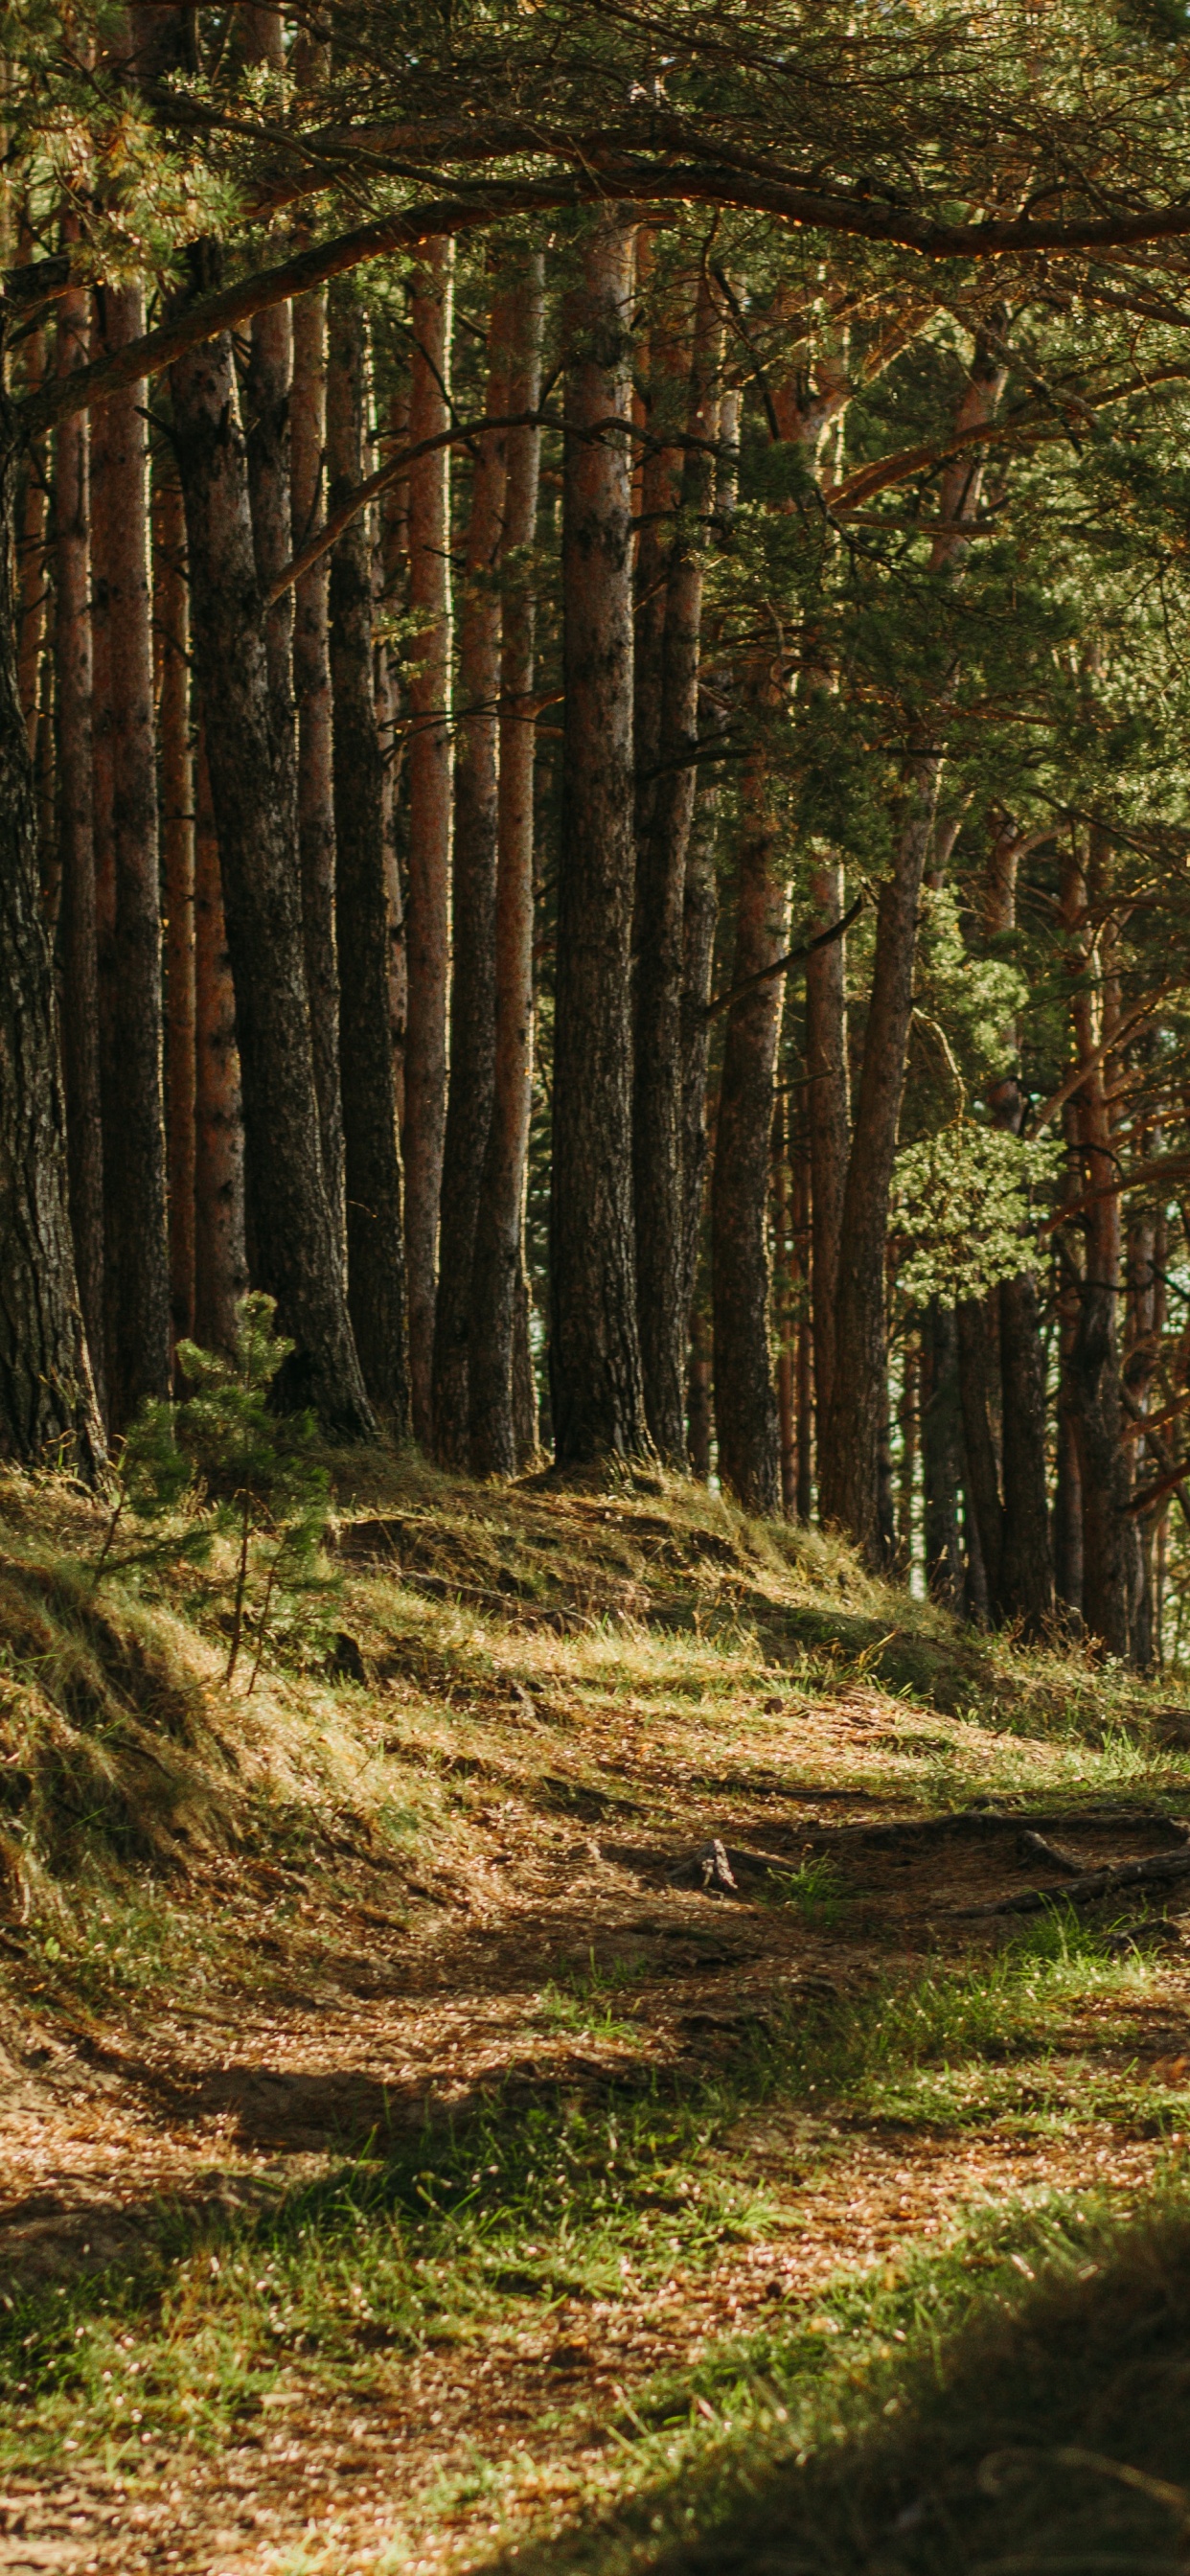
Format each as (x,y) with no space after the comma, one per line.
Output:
(1050,2437)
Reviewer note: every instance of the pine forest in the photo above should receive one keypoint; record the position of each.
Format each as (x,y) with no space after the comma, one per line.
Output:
(594,1286)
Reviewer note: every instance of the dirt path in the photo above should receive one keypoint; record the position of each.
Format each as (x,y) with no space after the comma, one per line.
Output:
(222,2104)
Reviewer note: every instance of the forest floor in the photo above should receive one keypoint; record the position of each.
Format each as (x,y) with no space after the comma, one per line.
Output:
(409,2163)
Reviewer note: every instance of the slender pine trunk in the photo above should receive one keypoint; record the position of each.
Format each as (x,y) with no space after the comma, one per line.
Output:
(745,1401)
(47,1397)
(293,1234)
(428,931)
(172,635)
(375,1249)
(499,1287)
(473,913)
(315,771)
(828,1114)
(77,937)
(143,1360)
(597,1391)
(220,1266)
(665,807)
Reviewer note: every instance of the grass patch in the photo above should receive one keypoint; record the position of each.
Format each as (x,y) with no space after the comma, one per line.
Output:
(1013,2402)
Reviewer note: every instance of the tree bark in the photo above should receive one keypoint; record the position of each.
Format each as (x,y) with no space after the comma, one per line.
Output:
(1095,1357)
(597,1392)
(79,955)
(103,502)
(428,919)
(942,1455)
(47,1399)
(32,567)
(473,914)
(171,619)
(665,809)
(293,1232)
(1026,1585)
(375,1247)
(828,1112)
(745,1402)
(315,771)
(978,1349)
(220,1268)
(136,1176)
(498,1281)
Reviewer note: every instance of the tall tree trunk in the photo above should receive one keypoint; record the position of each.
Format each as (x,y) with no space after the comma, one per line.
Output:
(1026,1587)
(47,1399)
(828,1112)
(978,1344)
(1095,1357)
(473,913)
(700,921)
(745,1402)
(293,1232)
(171,618)
(942,1455)
(596,1381)
(103,498)
(498,1280)
(143,1362)
(428,932)
(375,1248)
(783,1268)
(391,694)
(665,804)
(79,955)
(315,774)
(220,1269)
(32,567)
(666,355)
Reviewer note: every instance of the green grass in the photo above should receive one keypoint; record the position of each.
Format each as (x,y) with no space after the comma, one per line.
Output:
(1012,2402)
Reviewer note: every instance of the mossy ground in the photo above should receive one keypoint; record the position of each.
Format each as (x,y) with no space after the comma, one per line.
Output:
(405,2169)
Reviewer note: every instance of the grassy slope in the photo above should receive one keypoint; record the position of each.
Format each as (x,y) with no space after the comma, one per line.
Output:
(511,1671)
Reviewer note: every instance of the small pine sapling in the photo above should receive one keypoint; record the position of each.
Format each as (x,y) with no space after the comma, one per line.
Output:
(236,1469)
(152,1478)
(256,1470)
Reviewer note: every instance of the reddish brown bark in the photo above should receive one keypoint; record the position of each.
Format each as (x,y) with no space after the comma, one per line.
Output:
(745,1401)
(665,809)
(172,637)
(47,1401)
(1094,1366)
(428,919)
(473,912)
(103,829)
(596,1385)
(315,777)
(375,1252)
(221,1272)
(667,397)
(499,1287)
(79,955)
(296,1253)
(828,1115)
(32,567)
(134,1162)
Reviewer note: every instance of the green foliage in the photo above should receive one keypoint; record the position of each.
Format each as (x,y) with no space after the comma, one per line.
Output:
(964,1205)
(223,1464)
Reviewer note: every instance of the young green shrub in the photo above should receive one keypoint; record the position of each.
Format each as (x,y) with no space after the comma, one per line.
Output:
(222,1464)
